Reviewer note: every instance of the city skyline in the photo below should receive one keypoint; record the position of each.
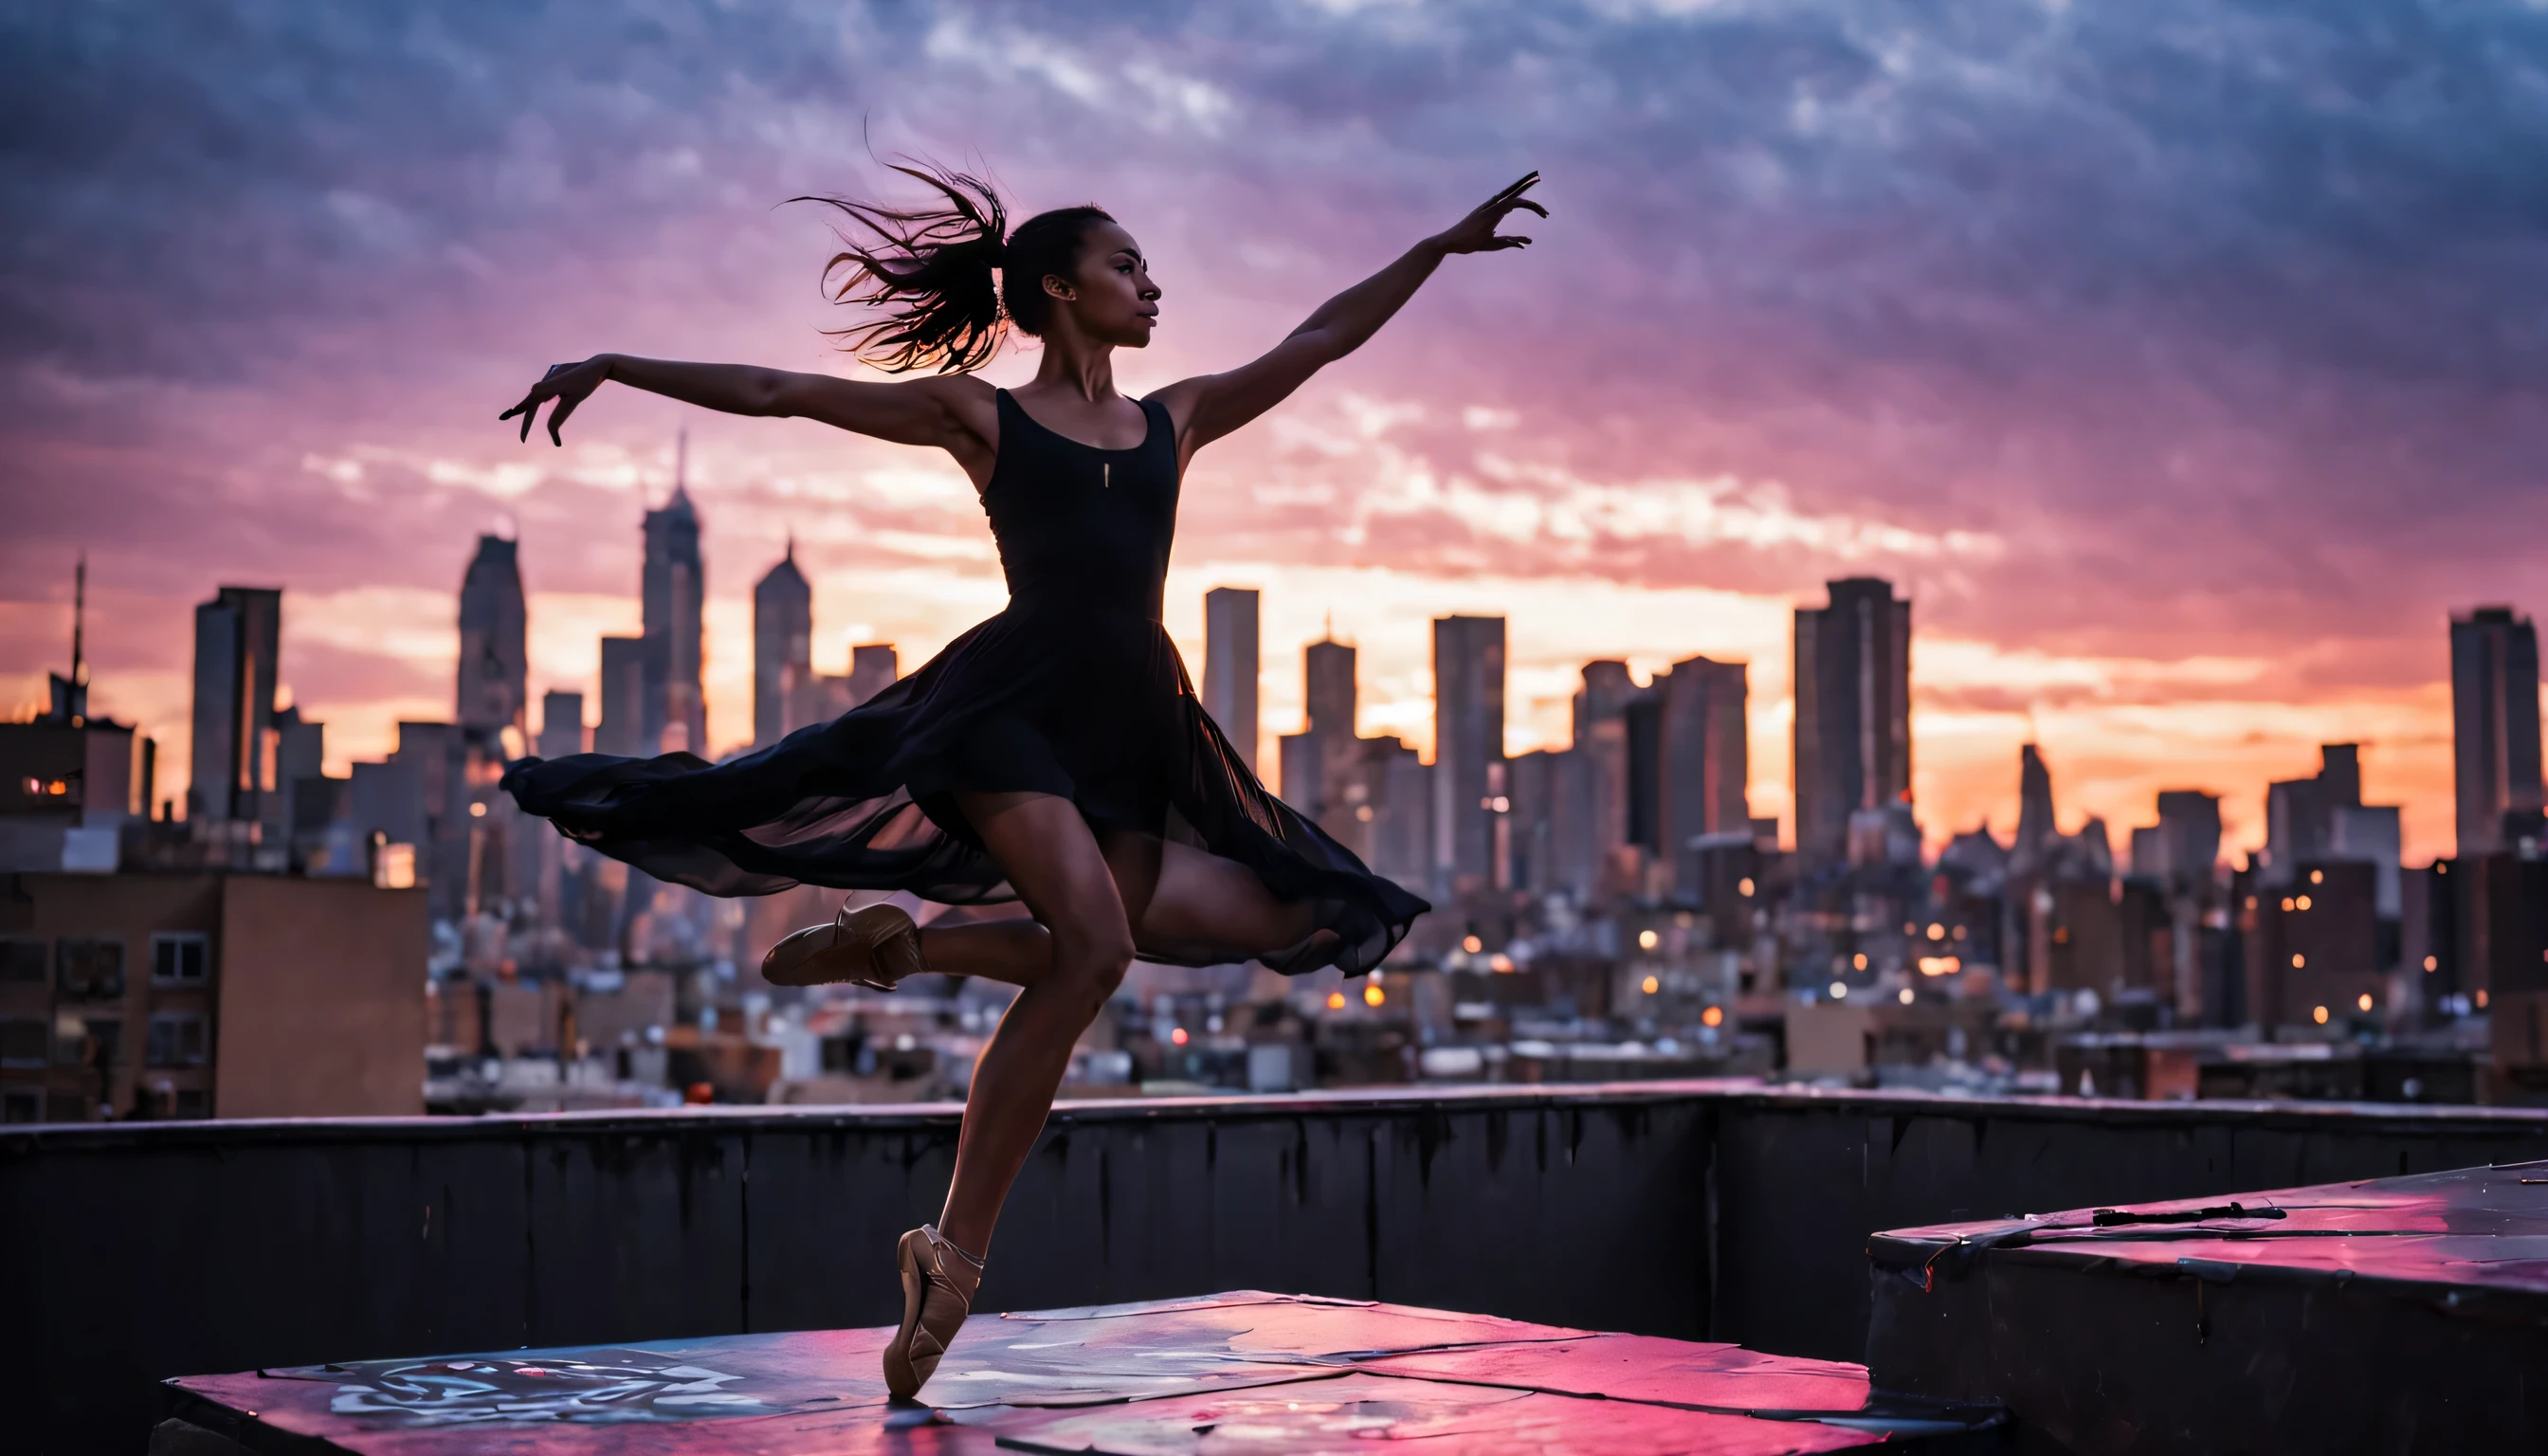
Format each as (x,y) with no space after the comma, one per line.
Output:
(490,672)
(2191,502)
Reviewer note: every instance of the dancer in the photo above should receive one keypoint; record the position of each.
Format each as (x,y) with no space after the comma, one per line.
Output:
(1054,754)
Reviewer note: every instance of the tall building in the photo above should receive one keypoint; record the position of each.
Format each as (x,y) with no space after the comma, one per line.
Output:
(2036,830)
(622,730)
(1332,698)
(1703,761)
(1468,750)
(1312,759)
(239,634)
(2494,726)
(2188,841)
(560,724)
(495,658)
(1230,666)
(782,649)
(674,589)
(1601,722)
(1853,732)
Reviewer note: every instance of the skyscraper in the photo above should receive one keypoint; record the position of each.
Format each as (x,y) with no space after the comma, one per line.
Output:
(675,706)
(1705,754)
(560,724)
(782,648)
(1230,666)
(2495,725)
(1468,750)
(1332,699)
(1853,733)
(622,729)
(494,658)
(237,636)
(1601,709)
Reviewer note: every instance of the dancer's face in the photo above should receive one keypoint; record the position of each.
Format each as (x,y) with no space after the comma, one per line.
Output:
(1112,301)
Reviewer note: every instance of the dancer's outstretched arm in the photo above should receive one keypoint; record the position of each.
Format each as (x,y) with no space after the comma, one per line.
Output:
(953,412)
(1211,405)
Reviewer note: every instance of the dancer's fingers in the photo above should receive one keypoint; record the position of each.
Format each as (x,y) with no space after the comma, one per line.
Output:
(557,418)
(1524,202)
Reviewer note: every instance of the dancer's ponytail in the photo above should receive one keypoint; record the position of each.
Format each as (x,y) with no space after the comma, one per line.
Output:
(933,269)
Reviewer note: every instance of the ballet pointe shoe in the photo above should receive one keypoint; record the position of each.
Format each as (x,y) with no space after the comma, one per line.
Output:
(876,948)
(938,1284)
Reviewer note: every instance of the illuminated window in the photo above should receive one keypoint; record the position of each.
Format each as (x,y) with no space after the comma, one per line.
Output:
(1373,995)
(2433,962)
(2319,1015)
(1651,984)
(1473,945)
(1713,1016)
(2481,1000)
(1744,887)
(2363,1001)
(2288,903)
(2298,961)
(1859,960)
(1840,990)
(1936,932)
(2301,902)
(1646,940)
(2318,876)
(1336,1000)
(1178,1035)
(1905,996)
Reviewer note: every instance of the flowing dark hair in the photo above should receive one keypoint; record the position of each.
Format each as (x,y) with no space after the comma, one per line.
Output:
(932,269)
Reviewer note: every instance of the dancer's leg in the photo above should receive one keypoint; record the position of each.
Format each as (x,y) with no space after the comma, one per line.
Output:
(1199,902)
(1053,863)
(1018,953)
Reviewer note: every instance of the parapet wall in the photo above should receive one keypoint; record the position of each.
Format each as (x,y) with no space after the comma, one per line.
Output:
(137,1252)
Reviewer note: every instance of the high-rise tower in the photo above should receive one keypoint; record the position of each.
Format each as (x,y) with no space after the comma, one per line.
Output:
(675,706)
(1468,750)
(237,636)
(2495,725)
(1230,666)
(782,648)
(1853,732)
(495,658)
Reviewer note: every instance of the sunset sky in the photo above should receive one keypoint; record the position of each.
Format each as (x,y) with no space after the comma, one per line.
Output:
(2180,360)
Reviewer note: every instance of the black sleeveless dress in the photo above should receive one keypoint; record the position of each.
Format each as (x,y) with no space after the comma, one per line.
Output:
(1074,690)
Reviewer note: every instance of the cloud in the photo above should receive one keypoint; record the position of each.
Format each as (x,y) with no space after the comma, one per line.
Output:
(2193,330)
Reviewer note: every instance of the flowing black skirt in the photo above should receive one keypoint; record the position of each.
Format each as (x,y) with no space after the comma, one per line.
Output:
(1093,706)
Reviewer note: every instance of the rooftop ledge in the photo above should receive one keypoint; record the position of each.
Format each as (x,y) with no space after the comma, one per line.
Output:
(140,1252)
(1733,1092)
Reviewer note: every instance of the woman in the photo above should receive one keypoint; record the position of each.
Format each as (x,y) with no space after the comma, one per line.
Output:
(1056,753)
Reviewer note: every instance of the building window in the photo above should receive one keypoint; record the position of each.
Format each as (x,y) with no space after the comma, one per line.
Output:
(21,1107)
(176,1039)
(65,1107)
(22,959)
(97,1044)
(23,1042)
(179,959)
(88,969)
(193,1103)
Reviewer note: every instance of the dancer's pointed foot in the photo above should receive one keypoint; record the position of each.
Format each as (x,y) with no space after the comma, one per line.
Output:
(938,1284)
(876,948)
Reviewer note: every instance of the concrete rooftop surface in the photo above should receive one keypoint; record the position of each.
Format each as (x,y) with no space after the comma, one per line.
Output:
(1241,1371)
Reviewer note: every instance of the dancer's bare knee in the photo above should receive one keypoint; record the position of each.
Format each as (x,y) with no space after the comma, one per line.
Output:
(1095,971)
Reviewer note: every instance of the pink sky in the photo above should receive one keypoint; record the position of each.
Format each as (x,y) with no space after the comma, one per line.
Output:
(2173,368)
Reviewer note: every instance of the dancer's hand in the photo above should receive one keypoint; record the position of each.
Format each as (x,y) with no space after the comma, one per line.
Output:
(568,384)
(1475,232)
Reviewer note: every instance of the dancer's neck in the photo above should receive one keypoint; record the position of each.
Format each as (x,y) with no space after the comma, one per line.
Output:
(1074,367)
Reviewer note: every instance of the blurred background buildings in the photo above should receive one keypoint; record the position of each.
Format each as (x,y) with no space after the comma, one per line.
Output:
(290,941)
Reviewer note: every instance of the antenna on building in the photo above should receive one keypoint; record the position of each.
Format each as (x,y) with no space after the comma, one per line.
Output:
(681,460)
